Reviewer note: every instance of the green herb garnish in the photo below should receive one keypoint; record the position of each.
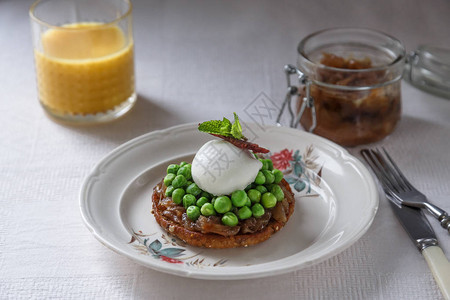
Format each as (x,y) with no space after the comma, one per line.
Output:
(236,129)
(224,127)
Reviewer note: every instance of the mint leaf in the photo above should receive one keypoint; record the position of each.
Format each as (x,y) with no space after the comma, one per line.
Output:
(210,126)
(236,129)
(215,127)
(224,127)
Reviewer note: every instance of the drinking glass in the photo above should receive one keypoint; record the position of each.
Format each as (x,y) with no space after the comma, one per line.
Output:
(84,59)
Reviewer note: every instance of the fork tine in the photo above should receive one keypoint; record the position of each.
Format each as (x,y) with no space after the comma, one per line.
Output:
(394,199)
(399,173)
(372,158)
(381,165)
(392,173)
(387,171)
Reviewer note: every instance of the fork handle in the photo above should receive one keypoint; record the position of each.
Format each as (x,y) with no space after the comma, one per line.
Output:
(440,267)
(439,214)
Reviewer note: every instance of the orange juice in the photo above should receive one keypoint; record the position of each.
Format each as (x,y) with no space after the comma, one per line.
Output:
(84,68)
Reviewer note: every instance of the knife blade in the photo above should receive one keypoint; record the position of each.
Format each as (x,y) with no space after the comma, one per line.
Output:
(415,224)
(422,234)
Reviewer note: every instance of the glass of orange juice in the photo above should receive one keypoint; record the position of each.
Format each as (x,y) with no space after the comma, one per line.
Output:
(84,58)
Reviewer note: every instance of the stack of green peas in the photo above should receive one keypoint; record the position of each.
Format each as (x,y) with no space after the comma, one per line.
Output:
(262,194)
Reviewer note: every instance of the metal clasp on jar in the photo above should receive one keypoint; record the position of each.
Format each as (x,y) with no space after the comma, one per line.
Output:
(292,91)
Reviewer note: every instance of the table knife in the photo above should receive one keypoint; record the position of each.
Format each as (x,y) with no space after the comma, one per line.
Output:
(419,230)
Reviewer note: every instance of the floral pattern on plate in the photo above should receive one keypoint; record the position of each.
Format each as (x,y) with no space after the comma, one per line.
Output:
(171,250)
(301,171)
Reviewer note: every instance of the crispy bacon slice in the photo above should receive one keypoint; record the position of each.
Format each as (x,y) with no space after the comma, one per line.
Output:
(243,144)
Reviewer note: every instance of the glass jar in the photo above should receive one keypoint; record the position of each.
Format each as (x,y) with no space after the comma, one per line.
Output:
(351,81)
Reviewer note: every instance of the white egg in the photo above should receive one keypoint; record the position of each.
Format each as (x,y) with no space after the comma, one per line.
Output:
(221,168)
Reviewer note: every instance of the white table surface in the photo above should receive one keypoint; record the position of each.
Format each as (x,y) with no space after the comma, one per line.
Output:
(198,60)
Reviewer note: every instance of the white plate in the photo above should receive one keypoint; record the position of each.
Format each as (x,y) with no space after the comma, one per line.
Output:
(115,204)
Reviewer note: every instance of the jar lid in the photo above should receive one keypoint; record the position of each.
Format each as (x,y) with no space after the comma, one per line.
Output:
(428,68)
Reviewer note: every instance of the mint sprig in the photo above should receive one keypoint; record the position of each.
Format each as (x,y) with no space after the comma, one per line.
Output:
(224,127)
(236,129)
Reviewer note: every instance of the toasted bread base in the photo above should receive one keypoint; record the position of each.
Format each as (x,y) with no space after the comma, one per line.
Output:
(212,240)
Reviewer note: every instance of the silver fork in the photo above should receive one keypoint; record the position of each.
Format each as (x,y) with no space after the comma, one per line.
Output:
(398,188)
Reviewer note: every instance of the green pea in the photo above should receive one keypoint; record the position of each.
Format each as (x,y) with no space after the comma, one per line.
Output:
(270,178)
(172,169)
(189,182)
(185,171)
(254,195)
(193,189)
(239,198)
(250,186)
(183,163)
(168,179)
(244,213)
(207,209)
(169,191)
(179,181)
(278,175)
(265,166)
(177,195)
(262,189)
(268,200)
(248,202)
(270,186)
(234,210)
(230,219)
(189,200)
(206,194)
(277,191)
(213,200)
(269,164)
(257,210)
(260,178)
(193,212)
(201,201)
(222,204)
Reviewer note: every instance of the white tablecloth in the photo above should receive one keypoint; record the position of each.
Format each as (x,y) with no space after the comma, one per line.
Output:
(198,60)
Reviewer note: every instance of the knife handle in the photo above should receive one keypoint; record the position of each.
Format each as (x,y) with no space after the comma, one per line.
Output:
(440,267)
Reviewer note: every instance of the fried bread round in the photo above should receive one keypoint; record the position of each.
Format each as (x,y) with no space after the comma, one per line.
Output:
(279,217)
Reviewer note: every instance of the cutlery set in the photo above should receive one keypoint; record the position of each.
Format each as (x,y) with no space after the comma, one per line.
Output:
(407,202)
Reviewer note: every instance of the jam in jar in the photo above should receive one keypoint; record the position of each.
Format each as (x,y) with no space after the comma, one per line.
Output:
(352,83)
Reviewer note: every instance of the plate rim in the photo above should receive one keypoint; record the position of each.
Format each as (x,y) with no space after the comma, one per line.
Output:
(95,172)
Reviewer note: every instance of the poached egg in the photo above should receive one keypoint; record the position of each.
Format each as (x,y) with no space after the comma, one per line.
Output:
(221,168)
